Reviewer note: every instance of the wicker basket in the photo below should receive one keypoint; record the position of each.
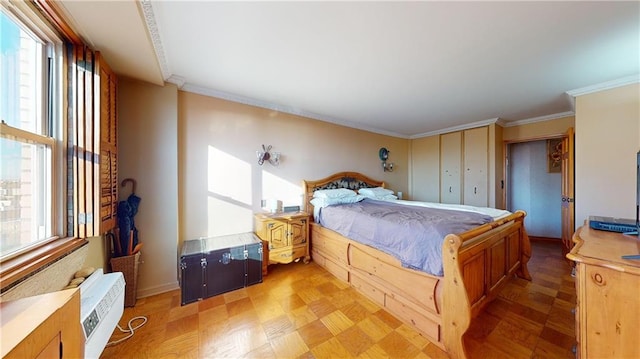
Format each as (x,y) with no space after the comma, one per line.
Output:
(128,265)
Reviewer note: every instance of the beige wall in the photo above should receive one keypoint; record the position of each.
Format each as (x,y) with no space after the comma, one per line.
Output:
(98,253)
(194,159)
(148,152)
(607,140)
(538,130)
(221,183)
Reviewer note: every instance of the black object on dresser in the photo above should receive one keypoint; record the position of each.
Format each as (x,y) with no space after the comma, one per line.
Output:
(216,265)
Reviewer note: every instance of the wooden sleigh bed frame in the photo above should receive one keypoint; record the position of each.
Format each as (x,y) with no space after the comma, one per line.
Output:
(477,264)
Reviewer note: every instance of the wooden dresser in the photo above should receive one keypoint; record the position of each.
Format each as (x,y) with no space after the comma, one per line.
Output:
(286,233)
(608,294)
(43,326)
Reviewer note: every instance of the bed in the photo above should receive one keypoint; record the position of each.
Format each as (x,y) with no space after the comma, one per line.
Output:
(476,264)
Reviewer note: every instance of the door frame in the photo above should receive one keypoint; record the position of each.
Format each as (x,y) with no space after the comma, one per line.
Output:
(568,191)
(505,168)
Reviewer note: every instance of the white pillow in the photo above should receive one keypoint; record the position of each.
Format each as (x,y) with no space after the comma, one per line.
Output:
(334,193)
(385,197)
(324,202)
(388,197)
(375,192)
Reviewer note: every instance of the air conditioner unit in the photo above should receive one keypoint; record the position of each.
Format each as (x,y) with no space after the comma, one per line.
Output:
(101,307)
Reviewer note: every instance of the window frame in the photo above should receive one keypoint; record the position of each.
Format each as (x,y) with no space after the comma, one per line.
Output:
(43,18)
(49,121)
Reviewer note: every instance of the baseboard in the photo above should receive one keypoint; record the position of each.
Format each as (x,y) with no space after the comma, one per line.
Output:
(147,292)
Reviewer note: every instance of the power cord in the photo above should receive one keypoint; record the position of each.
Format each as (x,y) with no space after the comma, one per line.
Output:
(130,330)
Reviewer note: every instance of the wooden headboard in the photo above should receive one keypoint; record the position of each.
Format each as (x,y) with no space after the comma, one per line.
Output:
(350,180)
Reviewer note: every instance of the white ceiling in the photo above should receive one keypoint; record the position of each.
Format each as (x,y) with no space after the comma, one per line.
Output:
(399,68)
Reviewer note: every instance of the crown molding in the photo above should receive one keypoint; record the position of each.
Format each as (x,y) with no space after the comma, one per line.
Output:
(154,35)
(177,80)
(605,85)
(457,128)
(152,27)
(501,122)
(285,109)
(554,116)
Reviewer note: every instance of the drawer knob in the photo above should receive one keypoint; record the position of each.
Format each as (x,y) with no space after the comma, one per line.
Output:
(598,279)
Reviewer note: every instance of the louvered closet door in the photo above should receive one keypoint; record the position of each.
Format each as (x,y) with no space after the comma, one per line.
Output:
(450,164)
(476,164)
(106,137)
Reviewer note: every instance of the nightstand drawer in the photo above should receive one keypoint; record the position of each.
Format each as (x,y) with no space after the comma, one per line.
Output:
(287,255)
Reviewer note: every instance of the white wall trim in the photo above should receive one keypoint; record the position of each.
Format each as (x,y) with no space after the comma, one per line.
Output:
(605,85)
(154,35)
(176,80)
(285,109)
(457,128)
(147,292)
(539,119)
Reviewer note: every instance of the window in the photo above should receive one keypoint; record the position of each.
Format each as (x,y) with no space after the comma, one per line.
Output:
(30,132)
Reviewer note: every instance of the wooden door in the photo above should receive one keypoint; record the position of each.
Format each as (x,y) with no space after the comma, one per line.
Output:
(52,350)
(568,202)
(476,164)
(298,231)
(277,234)
(451,164)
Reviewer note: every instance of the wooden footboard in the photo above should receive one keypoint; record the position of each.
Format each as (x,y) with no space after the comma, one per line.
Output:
(410,295)
(476,263)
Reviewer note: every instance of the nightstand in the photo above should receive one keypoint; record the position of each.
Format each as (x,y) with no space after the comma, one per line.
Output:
(287,234)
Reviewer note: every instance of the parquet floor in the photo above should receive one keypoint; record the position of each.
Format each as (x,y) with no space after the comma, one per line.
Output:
(302,311)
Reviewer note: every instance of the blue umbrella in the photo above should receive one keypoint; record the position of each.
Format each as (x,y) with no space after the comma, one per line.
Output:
(126,211)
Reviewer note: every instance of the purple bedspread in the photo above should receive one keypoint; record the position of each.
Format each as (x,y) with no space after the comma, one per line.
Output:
(412,234)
